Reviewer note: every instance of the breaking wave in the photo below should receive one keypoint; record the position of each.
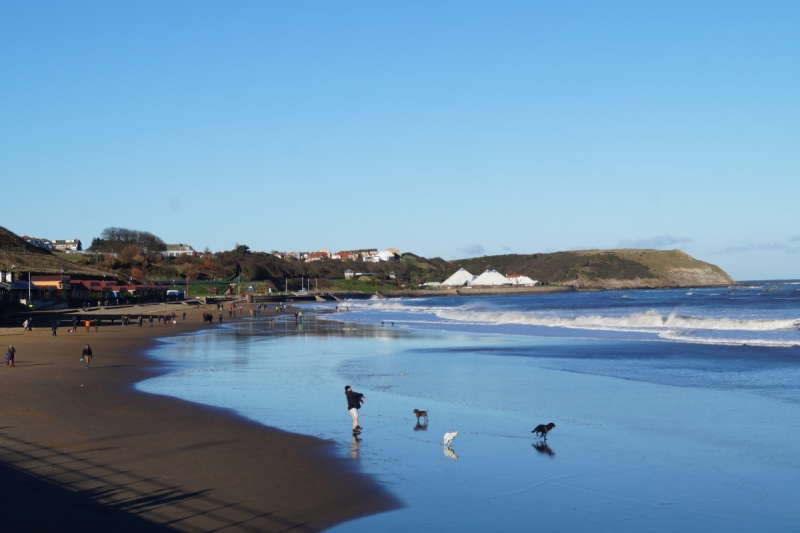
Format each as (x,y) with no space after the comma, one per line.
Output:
(647,321)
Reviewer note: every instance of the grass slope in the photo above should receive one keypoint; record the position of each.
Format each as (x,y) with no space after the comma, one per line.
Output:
(604,268)
(25,257)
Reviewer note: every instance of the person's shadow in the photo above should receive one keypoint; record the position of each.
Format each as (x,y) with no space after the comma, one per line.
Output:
(421,427)
(542,447)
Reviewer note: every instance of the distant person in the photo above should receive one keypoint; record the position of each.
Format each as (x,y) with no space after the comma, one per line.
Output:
(55,329)
(184,315)
(151,321)
(87,356)
(96,325)
(354,401)
(10,355)
(220,317)
(88,325)
(74,323)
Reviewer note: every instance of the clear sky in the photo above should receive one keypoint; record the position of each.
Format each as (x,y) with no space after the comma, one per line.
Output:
(447,129)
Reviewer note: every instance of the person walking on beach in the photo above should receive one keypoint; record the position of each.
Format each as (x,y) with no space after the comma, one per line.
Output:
(87,356)
(74,324)
(55,328)
(151,321)
(354,401)
(96,325)
(10,355)
(88,324)
(220,317)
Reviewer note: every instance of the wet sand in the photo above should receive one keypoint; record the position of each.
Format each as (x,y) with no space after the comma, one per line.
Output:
(82,450)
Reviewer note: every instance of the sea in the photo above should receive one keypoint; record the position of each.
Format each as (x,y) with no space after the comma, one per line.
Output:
(674,409)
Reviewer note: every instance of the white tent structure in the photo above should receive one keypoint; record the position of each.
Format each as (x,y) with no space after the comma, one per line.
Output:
(490,278)
(459,279)
(525,281)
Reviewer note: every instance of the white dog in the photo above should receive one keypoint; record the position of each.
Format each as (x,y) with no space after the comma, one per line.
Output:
(448,438)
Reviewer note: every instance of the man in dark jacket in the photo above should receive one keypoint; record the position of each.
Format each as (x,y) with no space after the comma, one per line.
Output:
(354,401)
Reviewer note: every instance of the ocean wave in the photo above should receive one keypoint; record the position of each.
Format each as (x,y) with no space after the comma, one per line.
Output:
(769,343)
(648,321)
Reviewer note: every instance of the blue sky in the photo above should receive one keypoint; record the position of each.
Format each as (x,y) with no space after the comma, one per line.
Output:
(447,129)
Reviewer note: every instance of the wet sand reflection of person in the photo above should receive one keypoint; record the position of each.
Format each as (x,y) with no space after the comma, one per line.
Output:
(354,448)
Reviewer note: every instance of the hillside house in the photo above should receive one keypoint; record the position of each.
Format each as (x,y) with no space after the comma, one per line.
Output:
(318,256)
(177,250)
(68,245)
(39,243)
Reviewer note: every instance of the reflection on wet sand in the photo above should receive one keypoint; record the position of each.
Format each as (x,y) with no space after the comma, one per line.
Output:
(313,325)
(449,452)
(542,447)
(421,427)
(354,448)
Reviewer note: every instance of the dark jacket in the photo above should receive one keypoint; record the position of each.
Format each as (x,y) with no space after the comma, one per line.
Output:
(87,351)
(353,399)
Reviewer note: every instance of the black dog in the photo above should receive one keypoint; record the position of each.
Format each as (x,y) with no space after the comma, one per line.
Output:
(542,430)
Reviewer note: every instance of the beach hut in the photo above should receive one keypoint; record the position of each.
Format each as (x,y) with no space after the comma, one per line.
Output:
(490,278)
(459,279)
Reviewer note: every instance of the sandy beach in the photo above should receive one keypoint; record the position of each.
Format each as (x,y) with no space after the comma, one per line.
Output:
(82,450)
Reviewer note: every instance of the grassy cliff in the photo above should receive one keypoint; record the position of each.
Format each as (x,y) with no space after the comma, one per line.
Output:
(604,269)
(14,251)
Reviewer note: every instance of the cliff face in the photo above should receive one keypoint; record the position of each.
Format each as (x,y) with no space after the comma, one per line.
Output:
(668,268)
(606,269)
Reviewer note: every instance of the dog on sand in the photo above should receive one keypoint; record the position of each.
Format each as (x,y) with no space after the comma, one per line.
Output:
(448,438)
(421,414)
(543,429)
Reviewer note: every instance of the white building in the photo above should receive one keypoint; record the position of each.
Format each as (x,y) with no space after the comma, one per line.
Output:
(459,279)
(523,281)
(490,278)
(68,245)
(176,250)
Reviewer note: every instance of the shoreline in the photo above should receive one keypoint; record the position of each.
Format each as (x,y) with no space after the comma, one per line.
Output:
(99,455)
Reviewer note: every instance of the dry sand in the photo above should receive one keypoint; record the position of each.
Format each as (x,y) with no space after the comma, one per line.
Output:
(81,450)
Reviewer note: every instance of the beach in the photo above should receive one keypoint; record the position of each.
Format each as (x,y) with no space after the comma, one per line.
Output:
(664,420)
(83,450)
(674,410)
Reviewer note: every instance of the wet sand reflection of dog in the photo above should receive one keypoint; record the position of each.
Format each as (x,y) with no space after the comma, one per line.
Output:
(542,447)
(421,427)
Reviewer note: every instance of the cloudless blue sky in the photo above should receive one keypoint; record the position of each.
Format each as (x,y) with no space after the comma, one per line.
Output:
(447,129)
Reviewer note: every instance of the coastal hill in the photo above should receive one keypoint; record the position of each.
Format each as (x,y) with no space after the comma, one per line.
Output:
(588,269)
(605,269)
(26,257)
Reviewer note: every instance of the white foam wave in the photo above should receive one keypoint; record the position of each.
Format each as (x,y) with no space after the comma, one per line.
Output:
(648,321)
(770,343)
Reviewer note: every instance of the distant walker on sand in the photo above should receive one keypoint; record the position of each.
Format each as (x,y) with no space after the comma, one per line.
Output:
(354,401)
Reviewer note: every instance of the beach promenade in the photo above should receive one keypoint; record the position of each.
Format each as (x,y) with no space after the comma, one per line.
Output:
(82,450)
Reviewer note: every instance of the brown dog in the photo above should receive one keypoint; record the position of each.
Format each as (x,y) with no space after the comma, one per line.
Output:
(542,430)
(421,414)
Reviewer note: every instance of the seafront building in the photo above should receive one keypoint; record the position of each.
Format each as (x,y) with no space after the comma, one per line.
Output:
(490,278)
